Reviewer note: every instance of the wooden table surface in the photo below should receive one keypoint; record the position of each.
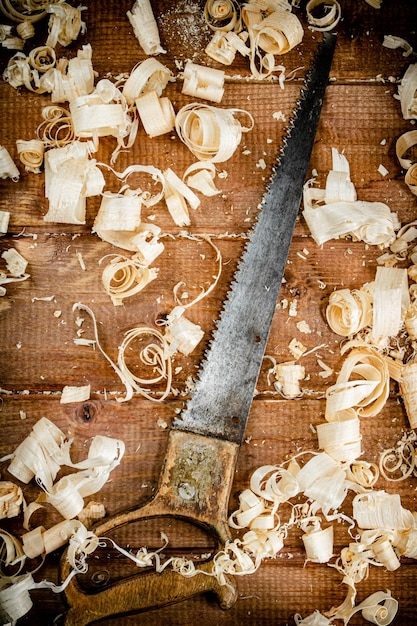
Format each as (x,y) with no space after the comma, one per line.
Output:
(362,118)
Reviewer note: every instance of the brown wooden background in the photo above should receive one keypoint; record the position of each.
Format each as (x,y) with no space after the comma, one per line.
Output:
(38,356)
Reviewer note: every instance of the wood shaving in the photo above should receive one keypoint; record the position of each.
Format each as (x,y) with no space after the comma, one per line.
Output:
(145,27)
(8,168)
(75,394)
(335,212)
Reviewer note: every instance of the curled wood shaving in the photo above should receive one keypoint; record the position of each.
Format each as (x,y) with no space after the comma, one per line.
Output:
(15,263)
(210,133)
(177,195)
(363,473)
(45,450)
(393,42)
(224,45)
(5,31)
(398,463)
(379,509)
(103,113)
(56,130)
(72,79)
(335,212)
(407,93)
(279,32)
(221,14)
(31,154)
(19,72)
(156,113)
(70,177)
(143,558)
(401,246)
(11,499)
(154,355)
(91,513)
(323,481)
(408,390)
(411,179)
(362,384)
(203,82)
(288,377)
(349,311)
(379,608)
(384,552)
(341,438)
(148,75)
(67,495)
(275,34)
(65,24)
(11,553)
(318,541)
(331,17)
(42,58)
(81,543)
(15,600)
(200,176)
(27,10)
(404,143)
(181,334)
(148,199)
(13,43)
(391,301)
(145,27)
(118,220)
(123,277)
(25,30)
(8,168)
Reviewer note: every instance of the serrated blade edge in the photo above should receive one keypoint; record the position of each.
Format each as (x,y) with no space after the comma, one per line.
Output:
(220,403)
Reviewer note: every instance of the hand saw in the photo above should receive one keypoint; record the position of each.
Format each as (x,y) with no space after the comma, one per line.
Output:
(204,440)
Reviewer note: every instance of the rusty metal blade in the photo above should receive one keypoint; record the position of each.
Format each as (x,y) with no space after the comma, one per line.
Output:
(220,403)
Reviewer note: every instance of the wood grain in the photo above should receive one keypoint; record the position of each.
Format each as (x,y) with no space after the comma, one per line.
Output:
(38,357)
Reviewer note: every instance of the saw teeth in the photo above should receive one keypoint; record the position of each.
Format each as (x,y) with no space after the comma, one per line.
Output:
(271,215)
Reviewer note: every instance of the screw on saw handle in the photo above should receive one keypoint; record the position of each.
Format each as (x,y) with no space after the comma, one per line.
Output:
(194,486)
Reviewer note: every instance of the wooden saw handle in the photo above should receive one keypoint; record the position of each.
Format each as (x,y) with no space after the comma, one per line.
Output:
(195,485)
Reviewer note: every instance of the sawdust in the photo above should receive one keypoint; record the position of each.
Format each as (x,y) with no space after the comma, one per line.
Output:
(184,24)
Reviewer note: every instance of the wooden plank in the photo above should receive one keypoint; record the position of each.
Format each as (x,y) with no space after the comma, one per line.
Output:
(235,208)
(33,331)
(361,117)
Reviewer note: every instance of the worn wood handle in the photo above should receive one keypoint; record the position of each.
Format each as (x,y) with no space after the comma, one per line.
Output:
(195,485)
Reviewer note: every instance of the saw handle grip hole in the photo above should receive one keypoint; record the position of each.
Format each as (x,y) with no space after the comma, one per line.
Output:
(143,540)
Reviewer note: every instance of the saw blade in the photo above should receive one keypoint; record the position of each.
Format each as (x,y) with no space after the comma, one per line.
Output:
(220,402)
